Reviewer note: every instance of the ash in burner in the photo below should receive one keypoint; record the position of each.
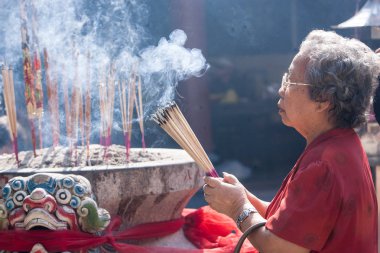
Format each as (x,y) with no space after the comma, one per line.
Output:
(62,157)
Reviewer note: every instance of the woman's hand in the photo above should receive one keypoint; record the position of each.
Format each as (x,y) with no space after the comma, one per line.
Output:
(226,195)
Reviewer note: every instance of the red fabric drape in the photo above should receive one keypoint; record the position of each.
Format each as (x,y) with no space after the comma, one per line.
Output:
(213,232)
(205,228)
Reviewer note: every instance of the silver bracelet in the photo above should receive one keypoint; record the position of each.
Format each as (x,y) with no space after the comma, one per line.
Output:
(245,235)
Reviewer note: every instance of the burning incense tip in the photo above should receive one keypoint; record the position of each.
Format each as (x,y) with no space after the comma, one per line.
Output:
(171,119)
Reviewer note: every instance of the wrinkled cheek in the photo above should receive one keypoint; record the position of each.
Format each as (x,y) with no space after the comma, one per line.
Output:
(290,117)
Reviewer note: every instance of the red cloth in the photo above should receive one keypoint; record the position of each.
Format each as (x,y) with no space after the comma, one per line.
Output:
(327,203)
(69,240)
(208,230)
(214,232)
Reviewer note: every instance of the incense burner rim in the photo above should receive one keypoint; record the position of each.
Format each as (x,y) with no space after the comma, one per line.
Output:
(180,155)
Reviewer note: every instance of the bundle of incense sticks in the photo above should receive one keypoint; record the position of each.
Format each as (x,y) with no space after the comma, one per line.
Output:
(10,106)
(28,73)
(76,116)
(37,73)
(52,93)
(106,96)
(110,102)
(75,106)
(126,106)
(102,106)
(171,119)
(75,103)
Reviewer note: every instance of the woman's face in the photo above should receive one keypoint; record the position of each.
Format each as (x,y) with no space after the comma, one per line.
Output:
(295,105)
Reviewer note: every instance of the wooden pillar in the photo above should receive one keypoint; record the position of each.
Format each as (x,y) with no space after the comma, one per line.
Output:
(189,16)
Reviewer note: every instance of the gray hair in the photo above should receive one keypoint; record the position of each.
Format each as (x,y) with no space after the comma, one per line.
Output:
(342,71)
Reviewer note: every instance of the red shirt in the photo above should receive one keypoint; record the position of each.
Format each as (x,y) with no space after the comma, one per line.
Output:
(327,203)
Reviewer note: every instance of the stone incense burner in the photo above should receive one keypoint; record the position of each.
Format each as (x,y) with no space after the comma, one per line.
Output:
(155,185)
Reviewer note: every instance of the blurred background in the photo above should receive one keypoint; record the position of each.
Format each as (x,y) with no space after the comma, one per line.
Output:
(232,107)
(249,45)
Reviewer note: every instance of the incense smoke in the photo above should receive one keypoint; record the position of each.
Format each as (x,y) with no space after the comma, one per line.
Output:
(106,32)
(163,66)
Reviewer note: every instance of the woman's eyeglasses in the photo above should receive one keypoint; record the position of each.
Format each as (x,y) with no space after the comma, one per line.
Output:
(285,82)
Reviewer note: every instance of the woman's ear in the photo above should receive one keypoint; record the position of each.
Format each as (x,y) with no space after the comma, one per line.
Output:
(323,106)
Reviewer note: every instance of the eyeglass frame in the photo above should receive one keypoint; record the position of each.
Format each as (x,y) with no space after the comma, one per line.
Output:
(285,82)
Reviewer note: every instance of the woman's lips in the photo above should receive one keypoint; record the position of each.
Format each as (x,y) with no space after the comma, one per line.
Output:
(280,108)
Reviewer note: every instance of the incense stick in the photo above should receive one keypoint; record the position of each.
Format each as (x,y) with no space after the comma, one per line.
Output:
(131,99)
(81,122)
(56,121)
(66,104)
(74,116)
(140,112)
(171,119)
(10,106)
(102,84)
(88,107)
(123,107)
(111,101)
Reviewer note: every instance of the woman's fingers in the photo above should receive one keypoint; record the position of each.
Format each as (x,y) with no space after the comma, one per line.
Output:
(212,181)
(210,186)
(207,189)
(229,178)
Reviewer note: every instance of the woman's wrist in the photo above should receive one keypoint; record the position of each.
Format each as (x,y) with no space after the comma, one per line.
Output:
(244,216)
(240,209)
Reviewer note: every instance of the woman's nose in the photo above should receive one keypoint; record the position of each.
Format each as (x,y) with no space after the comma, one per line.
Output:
(281,91)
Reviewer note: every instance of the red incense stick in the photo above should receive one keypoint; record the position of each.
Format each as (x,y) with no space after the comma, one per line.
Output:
(51,87)
(131,100)
(81,122)
(66,105)
(28,74)
(37,73)
(75,102)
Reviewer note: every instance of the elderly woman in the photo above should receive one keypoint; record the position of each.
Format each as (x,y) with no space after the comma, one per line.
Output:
(327,202)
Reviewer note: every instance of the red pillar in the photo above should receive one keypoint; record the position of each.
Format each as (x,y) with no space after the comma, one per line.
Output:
(377,178)
(189,16)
